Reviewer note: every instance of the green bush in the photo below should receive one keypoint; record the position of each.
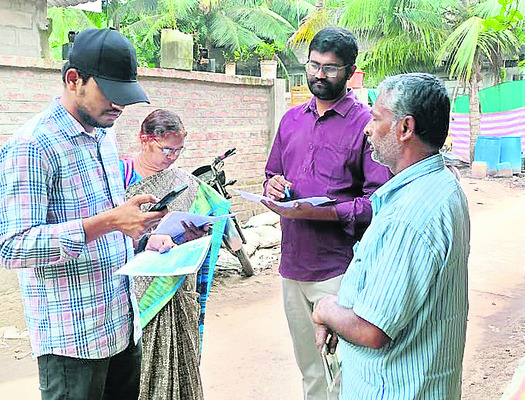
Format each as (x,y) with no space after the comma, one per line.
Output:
(268,51)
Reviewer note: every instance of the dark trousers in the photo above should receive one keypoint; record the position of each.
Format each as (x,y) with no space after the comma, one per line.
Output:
(66,378)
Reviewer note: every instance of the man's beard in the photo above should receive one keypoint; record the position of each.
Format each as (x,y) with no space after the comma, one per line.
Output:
(388,151)
(87,119)
(328,90)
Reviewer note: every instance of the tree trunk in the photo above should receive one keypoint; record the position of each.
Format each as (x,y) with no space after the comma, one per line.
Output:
(474,114)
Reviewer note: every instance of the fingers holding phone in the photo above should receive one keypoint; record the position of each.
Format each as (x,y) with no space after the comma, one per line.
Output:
(129,218)
(163,203)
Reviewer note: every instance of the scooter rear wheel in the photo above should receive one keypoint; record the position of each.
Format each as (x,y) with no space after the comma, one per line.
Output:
(245,261)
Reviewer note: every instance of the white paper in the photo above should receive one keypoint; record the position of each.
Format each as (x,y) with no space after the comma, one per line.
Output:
(171,223)
(314,201)
(180,260)
(332,367)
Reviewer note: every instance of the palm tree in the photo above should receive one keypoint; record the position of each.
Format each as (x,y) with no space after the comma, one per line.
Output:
(469,45)
(232,24)
(396,36)
(324,13)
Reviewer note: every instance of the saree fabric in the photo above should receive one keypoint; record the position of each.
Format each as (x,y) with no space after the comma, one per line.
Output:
(172,308)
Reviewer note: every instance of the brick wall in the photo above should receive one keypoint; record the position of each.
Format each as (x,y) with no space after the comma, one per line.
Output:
(20,22)
(218,111)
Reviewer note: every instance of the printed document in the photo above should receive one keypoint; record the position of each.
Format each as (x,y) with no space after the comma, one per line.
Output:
(184,259)
(171,223)
(314,201)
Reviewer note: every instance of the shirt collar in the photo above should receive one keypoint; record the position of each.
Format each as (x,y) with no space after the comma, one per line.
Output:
(426,166)
(72,127)
(341,107)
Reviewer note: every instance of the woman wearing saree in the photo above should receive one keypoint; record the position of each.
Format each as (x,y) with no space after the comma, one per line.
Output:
(172,308)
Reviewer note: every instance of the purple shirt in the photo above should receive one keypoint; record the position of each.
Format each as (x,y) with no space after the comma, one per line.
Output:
(325,156)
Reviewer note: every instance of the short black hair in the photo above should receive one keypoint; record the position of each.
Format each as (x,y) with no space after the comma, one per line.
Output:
(423,97)
(337,40)
(84,76)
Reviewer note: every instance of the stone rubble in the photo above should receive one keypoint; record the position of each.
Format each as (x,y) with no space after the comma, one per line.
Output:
(263,245)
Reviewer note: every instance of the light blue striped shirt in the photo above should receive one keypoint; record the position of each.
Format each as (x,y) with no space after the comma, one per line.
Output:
(408,277)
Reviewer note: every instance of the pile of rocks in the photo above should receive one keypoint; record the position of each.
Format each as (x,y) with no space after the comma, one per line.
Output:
(263,245)
(16,340)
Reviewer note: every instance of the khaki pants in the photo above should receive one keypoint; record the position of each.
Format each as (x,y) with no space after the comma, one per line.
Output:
(300,299)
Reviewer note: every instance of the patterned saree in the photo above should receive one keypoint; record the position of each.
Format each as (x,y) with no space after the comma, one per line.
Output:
(172,307)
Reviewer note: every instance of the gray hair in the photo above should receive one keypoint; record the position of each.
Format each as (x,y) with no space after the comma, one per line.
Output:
(423,97)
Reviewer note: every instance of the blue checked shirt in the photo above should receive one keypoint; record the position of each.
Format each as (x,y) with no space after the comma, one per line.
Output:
(409,278)
(53,174)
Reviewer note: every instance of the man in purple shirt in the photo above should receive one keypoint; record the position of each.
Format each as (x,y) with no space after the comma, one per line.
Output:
(320,150)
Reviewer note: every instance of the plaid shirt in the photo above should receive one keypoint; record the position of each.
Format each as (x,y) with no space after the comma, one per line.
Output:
(54,174)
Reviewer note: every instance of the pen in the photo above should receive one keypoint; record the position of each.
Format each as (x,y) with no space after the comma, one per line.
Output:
(287,191)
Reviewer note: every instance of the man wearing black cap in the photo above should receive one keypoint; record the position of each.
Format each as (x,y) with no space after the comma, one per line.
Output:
(65,226)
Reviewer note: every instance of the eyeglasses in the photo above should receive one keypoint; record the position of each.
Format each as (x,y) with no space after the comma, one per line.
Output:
(330,71)
(170,151)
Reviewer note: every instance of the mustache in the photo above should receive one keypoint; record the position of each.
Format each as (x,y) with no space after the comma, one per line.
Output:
(113,110)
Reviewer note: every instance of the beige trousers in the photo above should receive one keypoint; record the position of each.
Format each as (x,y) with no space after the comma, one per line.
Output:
(300,299)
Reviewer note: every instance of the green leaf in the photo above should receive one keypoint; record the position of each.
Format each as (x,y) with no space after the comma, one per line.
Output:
(493,24)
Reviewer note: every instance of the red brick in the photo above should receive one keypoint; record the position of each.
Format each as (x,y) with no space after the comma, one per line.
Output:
(219,112)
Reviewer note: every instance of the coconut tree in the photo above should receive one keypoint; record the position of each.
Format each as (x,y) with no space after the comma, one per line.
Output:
(465,50)
(232,24)
(398,36)
(294,11)
(323,14)
(395,36)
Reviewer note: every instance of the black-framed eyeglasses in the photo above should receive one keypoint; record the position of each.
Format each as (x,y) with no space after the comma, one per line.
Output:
(330,71)
(170,151)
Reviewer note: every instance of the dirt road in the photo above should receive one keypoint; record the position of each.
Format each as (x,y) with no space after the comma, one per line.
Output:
(247,353)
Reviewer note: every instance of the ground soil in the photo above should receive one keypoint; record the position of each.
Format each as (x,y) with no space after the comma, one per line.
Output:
(247,353)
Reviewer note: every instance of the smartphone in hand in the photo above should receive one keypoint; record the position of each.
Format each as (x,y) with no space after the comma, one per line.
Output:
(168,198)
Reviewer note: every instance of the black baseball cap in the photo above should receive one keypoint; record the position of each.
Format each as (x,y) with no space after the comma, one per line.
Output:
(111,59)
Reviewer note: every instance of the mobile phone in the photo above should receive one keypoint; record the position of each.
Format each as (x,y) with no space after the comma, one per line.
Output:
(168,198)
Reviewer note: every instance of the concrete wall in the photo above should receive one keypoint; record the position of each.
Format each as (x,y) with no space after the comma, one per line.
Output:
(218,111)
(21,22)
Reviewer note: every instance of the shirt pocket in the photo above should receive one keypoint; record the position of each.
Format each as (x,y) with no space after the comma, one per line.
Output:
(335,163)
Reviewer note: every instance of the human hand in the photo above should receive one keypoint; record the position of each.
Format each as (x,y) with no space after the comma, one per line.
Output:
(323,334)
(129,219)
(298,211)
(160,243)
(275,188)
(193,232)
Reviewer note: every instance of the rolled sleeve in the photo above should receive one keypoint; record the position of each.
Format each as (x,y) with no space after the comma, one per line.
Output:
(356,214)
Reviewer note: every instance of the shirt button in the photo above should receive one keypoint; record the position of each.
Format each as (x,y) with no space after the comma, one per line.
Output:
(304,169)
(311,146)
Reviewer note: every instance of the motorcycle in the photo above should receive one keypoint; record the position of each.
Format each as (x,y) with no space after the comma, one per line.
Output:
(233,239)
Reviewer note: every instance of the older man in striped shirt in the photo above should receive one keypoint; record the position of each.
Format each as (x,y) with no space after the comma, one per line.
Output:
(401,311)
